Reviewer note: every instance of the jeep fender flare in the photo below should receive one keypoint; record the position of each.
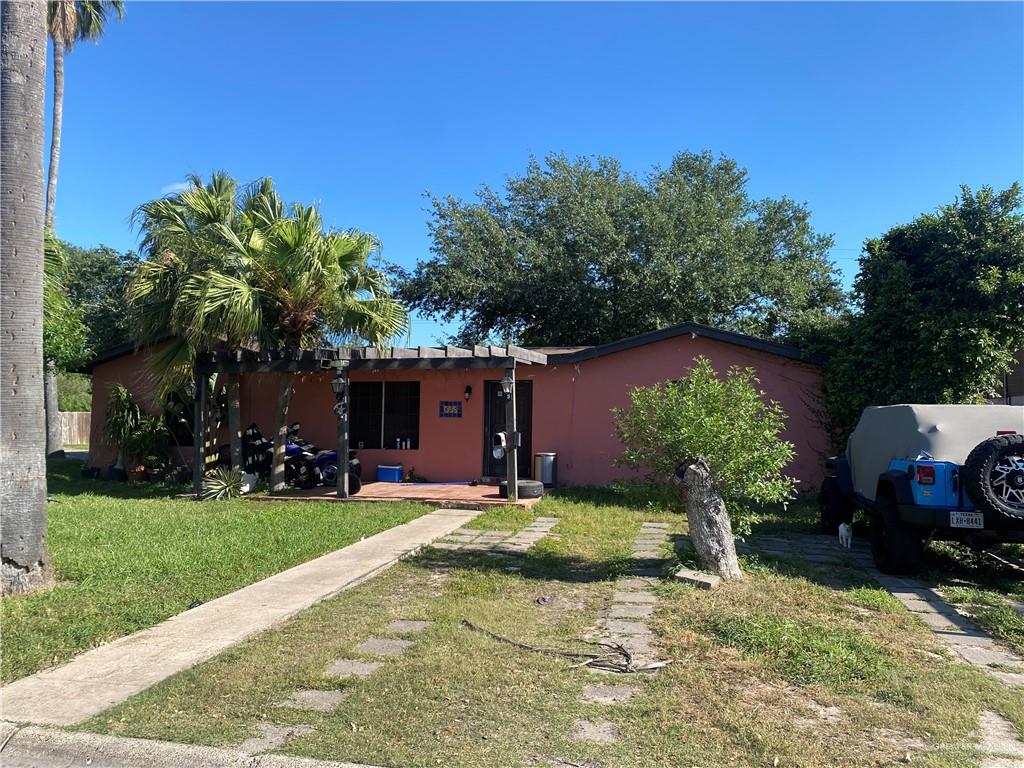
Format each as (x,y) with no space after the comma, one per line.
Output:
(895,483)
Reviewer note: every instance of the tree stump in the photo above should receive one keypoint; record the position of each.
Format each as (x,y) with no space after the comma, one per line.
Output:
(710,529)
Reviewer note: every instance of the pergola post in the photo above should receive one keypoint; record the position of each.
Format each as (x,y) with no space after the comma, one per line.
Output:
(199,432)
(511,428)
(341,411)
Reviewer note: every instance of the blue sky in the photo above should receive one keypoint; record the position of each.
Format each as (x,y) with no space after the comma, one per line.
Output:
(870,113)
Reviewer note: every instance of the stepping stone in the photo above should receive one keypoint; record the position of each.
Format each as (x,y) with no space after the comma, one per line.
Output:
(658,526)
(321,701)
(626,627)
(406,625)
(648,554)
(383,646)
(638,645)
(343,668)
(272,736)
(634,597)
(633,583)
(445,545)
(630,611)
(609,694)
(643,570)
(601,732)
(697,578)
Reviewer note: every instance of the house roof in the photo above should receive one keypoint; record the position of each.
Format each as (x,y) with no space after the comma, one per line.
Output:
(554,355)
(580,354)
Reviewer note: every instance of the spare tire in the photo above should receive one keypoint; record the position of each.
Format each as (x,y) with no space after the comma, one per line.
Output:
(528,489)
(994,477)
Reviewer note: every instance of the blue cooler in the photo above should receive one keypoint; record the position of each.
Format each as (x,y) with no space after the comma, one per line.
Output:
(389,474)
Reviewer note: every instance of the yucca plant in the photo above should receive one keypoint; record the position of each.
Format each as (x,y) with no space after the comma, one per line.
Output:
(122,421)
(222,483)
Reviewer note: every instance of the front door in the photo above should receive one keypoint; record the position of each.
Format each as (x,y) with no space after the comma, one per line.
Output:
(494,421)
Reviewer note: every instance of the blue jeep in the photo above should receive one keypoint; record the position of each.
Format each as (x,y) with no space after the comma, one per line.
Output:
(923,472)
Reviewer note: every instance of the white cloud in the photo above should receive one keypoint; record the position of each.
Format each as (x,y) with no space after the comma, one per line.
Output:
(173,189)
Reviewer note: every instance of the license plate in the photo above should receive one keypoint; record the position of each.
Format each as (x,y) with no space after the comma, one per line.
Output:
(966,520)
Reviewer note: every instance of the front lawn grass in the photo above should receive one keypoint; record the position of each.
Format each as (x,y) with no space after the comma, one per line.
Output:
(790,667)
(128,557)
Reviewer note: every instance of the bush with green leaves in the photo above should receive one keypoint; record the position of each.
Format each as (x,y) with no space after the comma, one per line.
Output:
(726,420)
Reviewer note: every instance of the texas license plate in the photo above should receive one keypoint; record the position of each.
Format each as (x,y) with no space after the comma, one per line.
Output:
(966,520)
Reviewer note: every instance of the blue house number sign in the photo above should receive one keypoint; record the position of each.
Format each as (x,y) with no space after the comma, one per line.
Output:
(451,409)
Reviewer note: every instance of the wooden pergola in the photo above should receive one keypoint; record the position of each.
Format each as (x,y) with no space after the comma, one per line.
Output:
(342,360)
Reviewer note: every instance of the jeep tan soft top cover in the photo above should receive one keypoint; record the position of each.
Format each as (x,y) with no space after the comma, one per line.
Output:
(944,432)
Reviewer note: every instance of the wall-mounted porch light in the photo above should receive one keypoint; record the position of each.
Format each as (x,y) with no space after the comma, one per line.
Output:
(507,383)
(468,393)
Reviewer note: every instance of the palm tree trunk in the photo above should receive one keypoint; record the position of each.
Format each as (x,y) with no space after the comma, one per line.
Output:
(284,396)
(24,561)
(54,430)
(235,419)
(55,130)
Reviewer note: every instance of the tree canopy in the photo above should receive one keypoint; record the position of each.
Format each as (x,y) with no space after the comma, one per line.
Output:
(938,309)
(579,251)
(65,335)
(95,281)
(233,265)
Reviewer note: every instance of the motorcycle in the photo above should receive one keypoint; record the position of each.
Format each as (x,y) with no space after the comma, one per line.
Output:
(305,465)
(327,463)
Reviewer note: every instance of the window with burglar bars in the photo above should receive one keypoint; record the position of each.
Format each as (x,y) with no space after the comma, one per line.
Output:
(384,414)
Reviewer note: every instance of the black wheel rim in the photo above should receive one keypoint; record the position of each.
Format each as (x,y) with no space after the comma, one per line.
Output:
(1007,480)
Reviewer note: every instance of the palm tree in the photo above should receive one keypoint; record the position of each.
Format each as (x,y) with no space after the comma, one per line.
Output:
(314,286)
(233,269)
(26,563)
(184,238)
(69,21)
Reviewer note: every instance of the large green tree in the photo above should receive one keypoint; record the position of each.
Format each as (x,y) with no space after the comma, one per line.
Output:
(69,21)
(65,335)
(95,281)
(24,561)
(939,309)
(582,252)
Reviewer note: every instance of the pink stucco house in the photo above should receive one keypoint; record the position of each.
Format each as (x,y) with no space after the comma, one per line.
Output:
(438,420)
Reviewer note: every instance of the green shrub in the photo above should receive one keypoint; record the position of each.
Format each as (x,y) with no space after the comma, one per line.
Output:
(728,421)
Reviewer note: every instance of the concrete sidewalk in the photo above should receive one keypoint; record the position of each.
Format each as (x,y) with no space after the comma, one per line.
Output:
(98,679)
(33,747)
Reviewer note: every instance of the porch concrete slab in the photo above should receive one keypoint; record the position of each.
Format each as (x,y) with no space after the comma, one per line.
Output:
(100,678)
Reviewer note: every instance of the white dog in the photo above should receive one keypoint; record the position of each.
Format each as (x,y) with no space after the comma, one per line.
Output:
(845,535)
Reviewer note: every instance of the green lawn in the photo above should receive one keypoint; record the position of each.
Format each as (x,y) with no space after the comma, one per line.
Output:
(782,669)
(128,557)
